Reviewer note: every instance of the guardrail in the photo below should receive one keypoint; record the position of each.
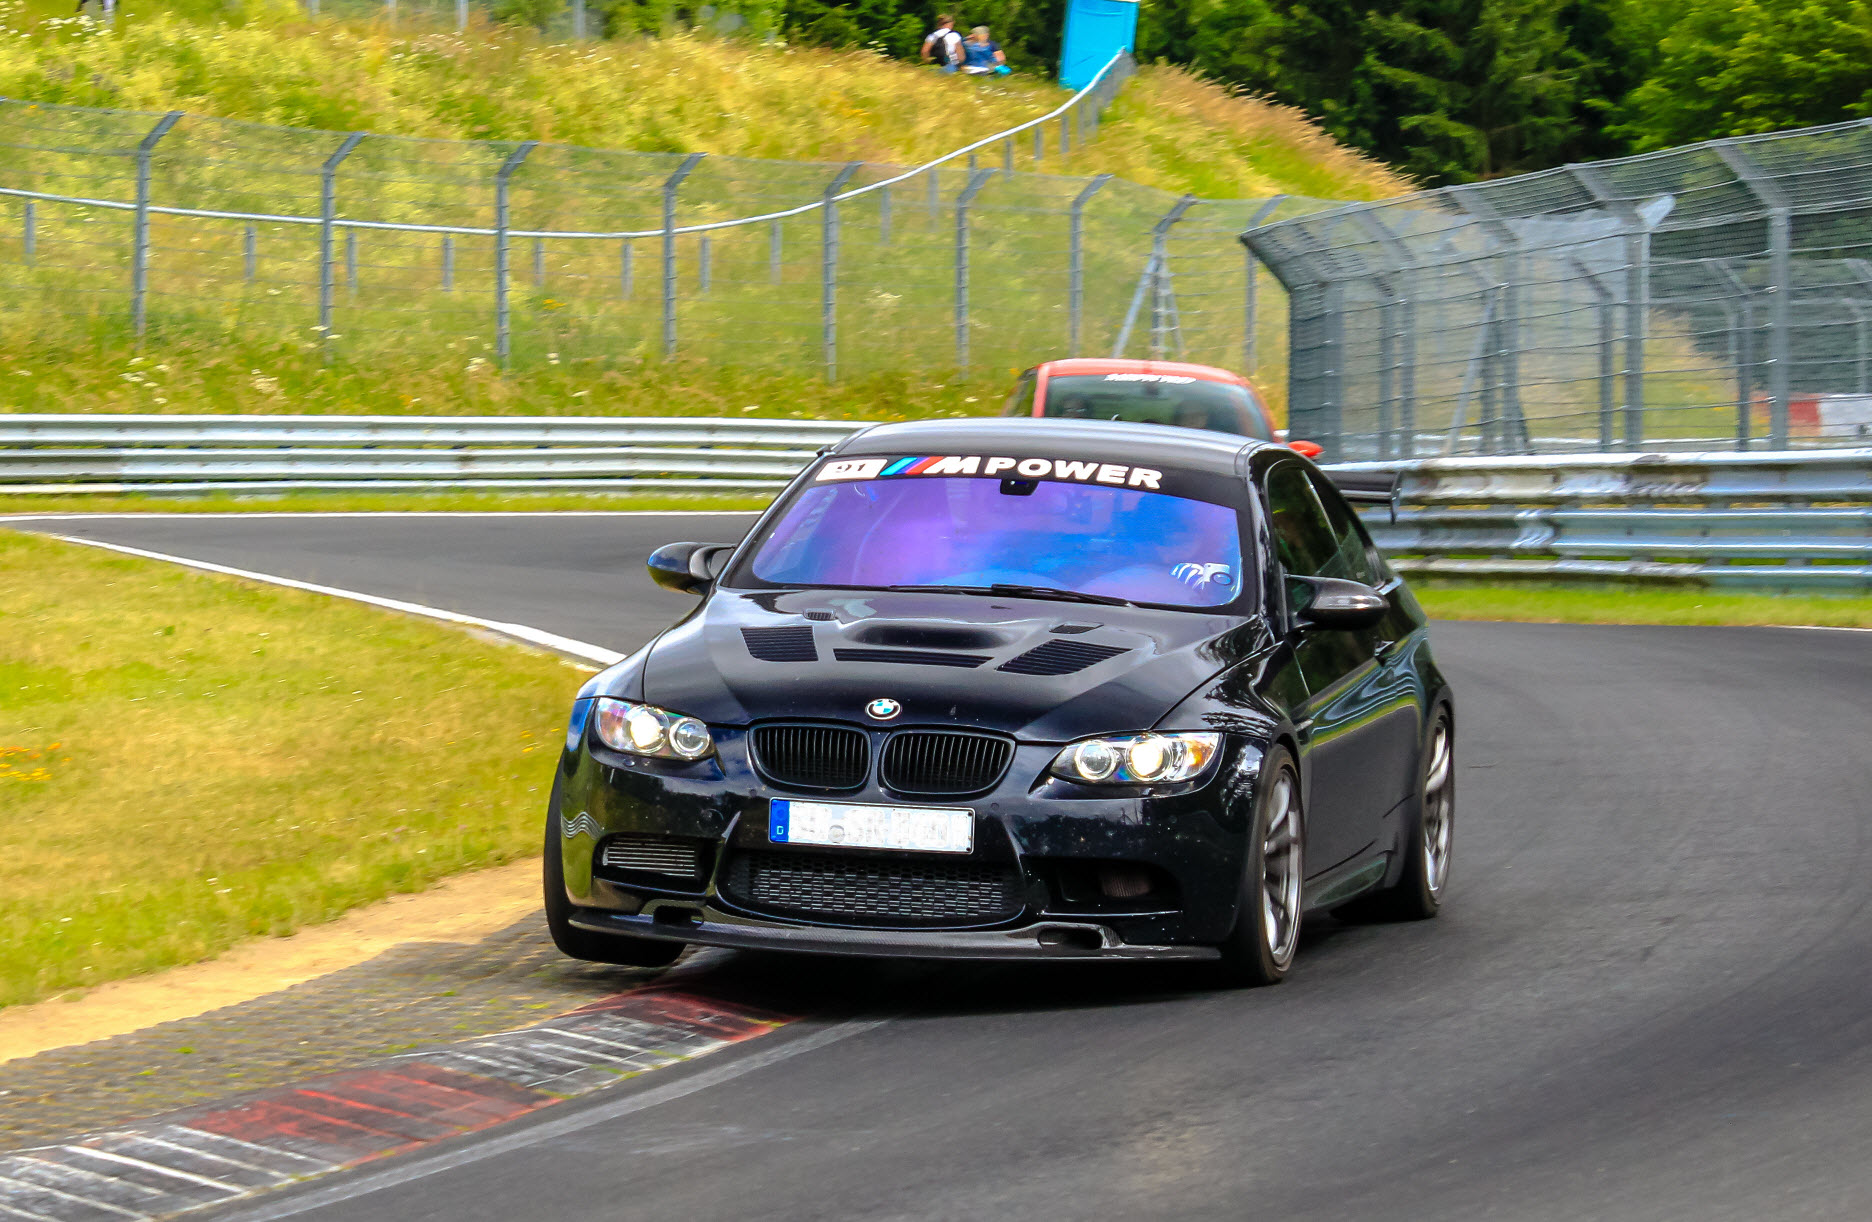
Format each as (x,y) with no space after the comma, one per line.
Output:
(1789,519)
(1795,519)
(62,454)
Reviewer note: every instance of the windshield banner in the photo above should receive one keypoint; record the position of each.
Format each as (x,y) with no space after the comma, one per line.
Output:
(1118,475)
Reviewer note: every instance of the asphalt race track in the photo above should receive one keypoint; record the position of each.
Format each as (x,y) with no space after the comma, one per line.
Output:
(1649,997)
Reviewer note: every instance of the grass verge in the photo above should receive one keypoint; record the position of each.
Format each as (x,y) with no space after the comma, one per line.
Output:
(186,761)
(1605,603)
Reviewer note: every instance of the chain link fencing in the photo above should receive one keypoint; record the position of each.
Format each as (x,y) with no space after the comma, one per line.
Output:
(1717,295)
(523,254)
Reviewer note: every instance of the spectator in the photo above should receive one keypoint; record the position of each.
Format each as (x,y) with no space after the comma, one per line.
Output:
(980,56)
(943,46)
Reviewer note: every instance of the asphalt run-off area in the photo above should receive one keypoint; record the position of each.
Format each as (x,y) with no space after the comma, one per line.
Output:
(1649,995)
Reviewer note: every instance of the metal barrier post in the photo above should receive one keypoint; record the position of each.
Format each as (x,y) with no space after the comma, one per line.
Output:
(977,181)
(773,252)
(503,329)
(139,254)
(461,15)
(1065,139)
(1007,155)
(1780,280)
(1075,291)
(1251,266)
(448,262)
(328,214)
(669,251)
(884,216)
(250,253)
(350,260)
(1608,373)
(578,19)
(539,263)
(705,263)
(626,254)
(828,268)
(29,232)
(1039,132)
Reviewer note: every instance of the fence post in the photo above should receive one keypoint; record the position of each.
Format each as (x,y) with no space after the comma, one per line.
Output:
(1007,155)
(250,252)
(1742,352)
(139,254)
(448,262)
(670,185)
(705,262)
(828,267)
(461,15)
(328,213)
(1608,372)
(1065,139)
(1156,271)
(1039,143)
(539,263)
(977,181)
(503,321)
(29,233)
(1075,292)
(578,19)
(626,255)
(1250,304)
(1780,279)
(350,260)
(884,216)
(773,252)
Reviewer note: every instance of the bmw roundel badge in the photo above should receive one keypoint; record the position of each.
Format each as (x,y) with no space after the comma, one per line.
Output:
(883,708)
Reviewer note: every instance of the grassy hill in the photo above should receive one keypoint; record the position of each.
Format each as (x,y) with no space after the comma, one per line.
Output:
(1168,130)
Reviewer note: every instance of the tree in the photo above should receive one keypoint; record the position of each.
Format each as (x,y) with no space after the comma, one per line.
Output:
(1736,67)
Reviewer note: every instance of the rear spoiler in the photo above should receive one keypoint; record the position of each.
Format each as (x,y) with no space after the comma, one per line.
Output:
(1368,487)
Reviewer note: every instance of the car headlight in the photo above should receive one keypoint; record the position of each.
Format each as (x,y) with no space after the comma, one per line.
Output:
(644,729)
(1138,759)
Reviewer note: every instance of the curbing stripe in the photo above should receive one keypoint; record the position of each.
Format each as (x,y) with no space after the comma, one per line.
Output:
(341,1120)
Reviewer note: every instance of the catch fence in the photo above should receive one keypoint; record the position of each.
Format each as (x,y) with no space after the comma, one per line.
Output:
(1712,296)
(535,254)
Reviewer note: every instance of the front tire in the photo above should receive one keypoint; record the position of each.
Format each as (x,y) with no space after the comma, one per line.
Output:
(1261,947)
(621,949)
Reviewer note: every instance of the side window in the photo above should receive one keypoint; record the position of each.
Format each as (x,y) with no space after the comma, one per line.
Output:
(1351,556)
(1304,541)
(1020,400)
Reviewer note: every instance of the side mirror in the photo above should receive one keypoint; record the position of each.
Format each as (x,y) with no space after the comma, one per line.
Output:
(688,568)
(1332,602)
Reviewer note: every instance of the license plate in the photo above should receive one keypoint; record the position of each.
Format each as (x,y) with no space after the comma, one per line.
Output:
(917,829)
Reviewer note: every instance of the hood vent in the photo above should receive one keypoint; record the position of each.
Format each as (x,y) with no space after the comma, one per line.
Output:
(910,657)
(927,636)
(1072,629)
(1060,658)
(792,644)
(821,616)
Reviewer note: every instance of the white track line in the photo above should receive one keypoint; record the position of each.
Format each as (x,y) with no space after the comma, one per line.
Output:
(418,1168)
(565,645)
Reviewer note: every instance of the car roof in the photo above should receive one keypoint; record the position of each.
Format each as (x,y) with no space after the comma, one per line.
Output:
(1115,440)
(1109,364)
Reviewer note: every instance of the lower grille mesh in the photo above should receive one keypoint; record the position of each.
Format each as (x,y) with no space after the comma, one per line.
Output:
(881,891)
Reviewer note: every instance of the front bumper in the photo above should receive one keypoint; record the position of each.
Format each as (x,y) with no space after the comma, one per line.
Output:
(1044,939)
(1038,832)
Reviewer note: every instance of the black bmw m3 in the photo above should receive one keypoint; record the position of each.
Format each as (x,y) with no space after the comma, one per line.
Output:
(1013,689)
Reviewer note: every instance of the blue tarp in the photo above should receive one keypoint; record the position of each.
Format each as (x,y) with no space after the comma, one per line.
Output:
(1096,30)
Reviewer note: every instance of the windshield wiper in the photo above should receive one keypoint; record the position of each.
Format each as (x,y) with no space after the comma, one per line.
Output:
(1007,590)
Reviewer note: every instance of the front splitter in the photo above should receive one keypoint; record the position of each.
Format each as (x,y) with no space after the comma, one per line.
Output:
(1046,940)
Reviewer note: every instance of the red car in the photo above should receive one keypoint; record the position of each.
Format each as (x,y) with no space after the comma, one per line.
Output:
(1148,392)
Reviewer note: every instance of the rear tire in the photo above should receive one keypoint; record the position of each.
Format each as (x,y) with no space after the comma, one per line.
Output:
(1418,893)
(1261,947)
(621,949)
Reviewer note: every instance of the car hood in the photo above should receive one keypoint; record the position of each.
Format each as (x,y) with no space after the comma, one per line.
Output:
(1040,670)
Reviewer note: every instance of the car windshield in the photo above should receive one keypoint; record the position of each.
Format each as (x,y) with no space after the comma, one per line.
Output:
(1155,398)
(1082,538)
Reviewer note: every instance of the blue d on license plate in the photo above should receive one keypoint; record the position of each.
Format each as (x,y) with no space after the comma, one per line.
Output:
(849,825)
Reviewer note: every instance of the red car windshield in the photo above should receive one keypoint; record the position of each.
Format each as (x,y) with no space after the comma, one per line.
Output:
(1156,398)
(1118,542)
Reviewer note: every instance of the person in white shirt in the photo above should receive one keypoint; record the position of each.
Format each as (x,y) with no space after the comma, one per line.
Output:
(942,46)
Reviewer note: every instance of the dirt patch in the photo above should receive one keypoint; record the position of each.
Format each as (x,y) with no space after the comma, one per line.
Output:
(462,909)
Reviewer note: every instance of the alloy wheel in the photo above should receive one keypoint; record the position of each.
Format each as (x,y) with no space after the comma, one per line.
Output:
(1280,871)
(1438,807)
